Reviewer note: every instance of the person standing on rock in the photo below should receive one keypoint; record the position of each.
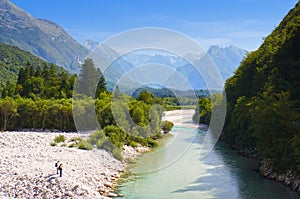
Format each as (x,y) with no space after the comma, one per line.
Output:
(60,167)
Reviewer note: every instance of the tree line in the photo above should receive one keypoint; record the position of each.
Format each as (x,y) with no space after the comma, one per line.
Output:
(48,97)
(263,112)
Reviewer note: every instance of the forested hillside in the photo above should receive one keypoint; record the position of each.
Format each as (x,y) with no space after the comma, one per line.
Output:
(12,59)
(263,98)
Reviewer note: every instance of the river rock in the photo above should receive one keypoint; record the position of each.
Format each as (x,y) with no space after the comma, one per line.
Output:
(280,178)
(287,181)
(108,184)
(295,184)
(27,168)
(112,195)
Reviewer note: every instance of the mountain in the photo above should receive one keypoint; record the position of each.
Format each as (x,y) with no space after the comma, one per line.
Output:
(90,44)
(263,101)
(104,56)
(226,59)
(12,59)
(142,59)
(41,37)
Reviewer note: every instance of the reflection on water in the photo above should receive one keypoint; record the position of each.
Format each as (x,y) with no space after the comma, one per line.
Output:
(176,171)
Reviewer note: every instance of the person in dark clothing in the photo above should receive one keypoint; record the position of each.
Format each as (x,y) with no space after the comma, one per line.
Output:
(60,167)
(57,165)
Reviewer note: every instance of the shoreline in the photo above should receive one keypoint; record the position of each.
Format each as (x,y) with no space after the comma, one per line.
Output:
(265,170)
(27,167)
(288,179)
(180,118)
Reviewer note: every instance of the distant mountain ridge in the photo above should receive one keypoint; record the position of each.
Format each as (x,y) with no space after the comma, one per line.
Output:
(227,60)
(141,59)
(41,37)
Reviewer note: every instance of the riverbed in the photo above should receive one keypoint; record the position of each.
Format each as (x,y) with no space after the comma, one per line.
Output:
(179,170)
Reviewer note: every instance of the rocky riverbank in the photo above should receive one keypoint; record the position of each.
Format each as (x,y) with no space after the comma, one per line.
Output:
(287,179)
(27,168)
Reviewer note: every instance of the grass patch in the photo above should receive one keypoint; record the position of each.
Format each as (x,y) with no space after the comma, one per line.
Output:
(75,139)
(59,139)
(85,145)
(72,145)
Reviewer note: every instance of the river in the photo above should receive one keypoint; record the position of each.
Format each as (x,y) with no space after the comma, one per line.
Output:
(177,170)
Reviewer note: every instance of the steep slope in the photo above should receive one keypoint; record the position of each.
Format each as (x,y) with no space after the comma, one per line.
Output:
(42,38)
(226,59)
(12,59)
(264,99)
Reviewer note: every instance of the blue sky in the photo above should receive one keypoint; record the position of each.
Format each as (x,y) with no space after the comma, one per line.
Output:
(220,22)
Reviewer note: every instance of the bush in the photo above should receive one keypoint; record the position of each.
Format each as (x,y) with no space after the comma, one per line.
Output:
(96,136)
(151,143)
(116,135)
(141,140)
(85,145)
(75,139)
(156,136)
(133,144)
(59,139)
(117,153)
(167,126)
(105,144)
(72,145)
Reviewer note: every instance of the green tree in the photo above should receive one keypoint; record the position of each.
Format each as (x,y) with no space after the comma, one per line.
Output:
(101,86)
(203,111)
(8,108)
(263,98)
(155,116)
(146,97)
(87,79)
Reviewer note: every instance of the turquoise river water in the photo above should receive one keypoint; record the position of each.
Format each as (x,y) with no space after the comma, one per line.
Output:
(177,171)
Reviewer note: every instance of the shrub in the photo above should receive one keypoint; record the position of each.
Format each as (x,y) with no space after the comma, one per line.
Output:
(157,136)
(72,145)
(167,126)
(151,143)
(105,144)
(141,140)
(96,136)
(59,138)
(75,139)
(117,153)
(116,135)
(85,145)
(133,144)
